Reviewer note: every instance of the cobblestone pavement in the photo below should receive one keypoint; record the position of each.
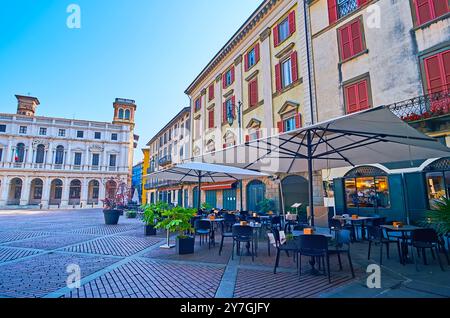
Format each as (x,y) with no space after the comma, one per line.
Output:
(119,261)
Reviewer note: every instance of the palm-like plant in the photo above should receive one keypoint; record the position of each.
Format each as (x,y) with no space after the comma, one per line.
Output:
(439,218)
(177,220)
(153,212)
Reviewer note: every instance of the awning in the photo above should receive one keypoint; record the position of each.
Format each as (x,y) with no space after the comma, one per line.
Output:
(218,186)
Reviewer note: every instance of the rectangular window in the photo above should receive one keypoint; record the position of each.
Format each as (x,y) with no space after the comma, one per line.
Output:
(229,110)
(61,133)
(211,118)
(77,159)
(253,92)
(437,71)
(228,78)
(112,160)
(340,8)
(350,39)
(438,184)
(211,92)
(114,136)
(357,96)
(2,128)
(284,29)
(95,159)
(22,129)
(170,134)
(1,154)
(97,135)
(367,192)
(42,131)
(286,73)
(289,124)
(80,134)
(198,104)
(427,10)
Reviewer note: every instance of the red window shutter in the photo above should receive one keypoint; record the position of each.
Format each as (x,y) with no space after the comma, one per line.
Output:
(247,138)
(246,62)
(294,65)
(355,29)
(352,101)
(278,77)
(233,102)
(280,126)
(298,121)
(363,96)
(440,7)
(224,80)
(224,146)
(211,92)
(257,53)
(211,119)
(232,75)
(446,66)
(345,43)
(435,78)
(258,134)
(361,3)
(276,36)
(224,112)
(332,11)
(253,92)
(423,10)
(291,20)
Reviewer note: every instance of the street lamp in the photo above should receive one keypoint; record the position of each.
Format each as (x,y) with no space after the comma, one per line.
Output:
(231,118)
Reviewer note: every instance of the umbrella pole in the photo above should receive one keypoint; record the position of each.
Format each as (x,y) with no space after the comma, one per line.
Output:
(240,194)
(310,178)
(199,194)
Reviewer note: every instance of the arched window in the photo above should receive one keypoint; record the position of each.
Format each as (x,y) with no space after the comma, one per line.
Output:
(121,113)
(256,192)
(40,152)
(20,153)
(75,189)
(438,181)
(59,158)
(127,114)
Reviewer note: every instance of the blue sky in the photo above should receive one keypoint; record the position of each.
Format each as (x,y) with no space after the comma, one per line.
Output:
(145,50)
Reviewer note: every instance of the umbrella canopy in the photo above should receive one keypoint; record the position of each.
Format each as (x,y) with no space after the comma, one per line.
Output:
(205,172)
(373,136)
(136,196)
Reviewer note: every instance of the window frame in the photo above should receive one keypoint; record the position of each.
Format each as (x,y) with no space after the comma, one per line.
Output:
(80,134)
(283,75)
(61,132)
(97,135)
(2,128)
(356,205)
(362,37)
(433,15)
(353,82)
(23,130)
(114,136)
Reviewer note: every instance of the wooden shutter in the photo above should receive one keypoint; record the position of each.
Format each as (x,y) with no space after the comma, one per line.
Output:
(291,20)
(363,95)
(332,11)
(232,74)
(211,92)
(211,119)
(276,36)
(294,66)
(233,106)
(246,62)
(352,100)
(298,121)
(423,11)
(224,80)
(224,146)
(361,3)
(257,53)
(357,44)
(224,112)
(247,138)
(446,67)
(280,126)
(345,43)
(253,92)
(440,7)
(278,77)
(435,78)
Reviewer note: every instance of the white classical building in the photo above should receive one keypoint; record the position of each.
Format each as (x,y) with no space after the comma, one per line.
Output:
(46,161)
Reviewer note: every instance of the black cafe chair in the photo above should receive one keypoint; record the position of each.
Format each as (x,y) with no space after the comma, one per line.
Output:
(314,246)
(242,234)
(226,233)
(342,246)
(288,246)
(202,228)
(229,221)
(376,235)
(423,239)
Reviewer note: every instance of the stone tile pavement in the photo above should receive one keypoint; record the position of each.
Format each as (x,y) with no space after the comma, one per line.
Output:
(119,261)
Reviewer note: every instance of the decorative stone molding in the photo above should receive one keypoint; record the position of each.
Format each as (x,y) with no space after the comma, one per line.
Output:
(252,76)
(38,142)
(254,123)
(96,148)
(218,78)
(228,94)
(203,92)
(238,60)
(283,53)
(289,106)
(265,34)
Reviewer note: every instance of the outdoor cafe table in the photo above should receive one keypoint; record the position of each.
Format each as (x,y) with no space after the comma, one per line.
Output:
(255,227)
(405,231)
(213,222)
(362,220)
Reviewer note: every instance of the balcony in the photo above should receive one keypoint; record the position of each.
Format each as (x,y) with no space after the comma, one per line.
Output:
(150,170)
(345,7)
(428,113)
(166,160)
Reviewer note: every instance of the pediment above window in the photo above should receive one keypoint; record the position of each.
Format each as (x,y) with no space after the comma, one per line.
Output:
(288,107)
(254,123)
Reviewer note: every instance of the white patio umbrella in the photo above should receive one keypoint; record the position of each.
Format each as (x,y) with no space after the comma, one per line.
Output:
(372,136)
(136,196)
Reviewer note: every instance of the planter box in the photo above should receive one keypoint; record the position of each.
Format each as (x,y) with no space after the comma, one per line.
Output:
(149,230)
(185,245)
(112,216)
(132,215)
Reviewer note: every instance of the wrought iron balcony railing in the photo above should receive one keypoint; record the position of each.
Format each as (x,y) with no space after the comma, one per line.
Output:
(165,160)
(423,107)
(346,7)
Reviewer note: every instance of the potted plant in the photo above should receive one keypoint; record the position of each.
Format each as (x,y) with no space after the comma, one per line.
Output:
(439,218)
(266,205)
(131,214)
(178,220)
(152,214)
(111,211)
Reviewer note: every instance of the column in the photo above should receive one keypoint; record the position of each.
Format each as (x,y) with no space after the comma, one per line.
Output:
(84,193)
(266,77)
(7,154)
(30,154)
(203,120)
(4,191)
(105,160)
(101,192)
(48,154)
(68,157)
(65,193)
(46,193)
(218,120)
(25,194)
(86,158)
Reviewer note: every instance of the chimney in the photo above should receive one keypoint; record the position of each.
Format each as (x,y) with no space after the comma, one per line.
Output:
(26,105)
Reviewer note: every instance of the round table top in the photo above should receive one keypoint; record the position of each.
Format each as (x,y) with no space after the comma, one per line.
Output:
(404,228)
(300,233)
(254,225)
(215,220)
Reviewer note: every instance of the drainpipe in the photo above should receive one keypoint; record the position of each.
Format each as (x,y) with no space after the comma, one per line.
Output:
(308,60)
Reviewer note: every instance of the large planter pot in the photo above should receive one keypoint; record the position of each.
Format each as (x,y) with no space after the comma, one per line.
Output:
(185,245)
(112,216)
(149,230)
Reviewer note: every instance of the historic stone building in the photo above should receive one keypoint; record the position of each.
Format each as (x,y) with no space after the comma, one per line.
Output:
(48,161)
